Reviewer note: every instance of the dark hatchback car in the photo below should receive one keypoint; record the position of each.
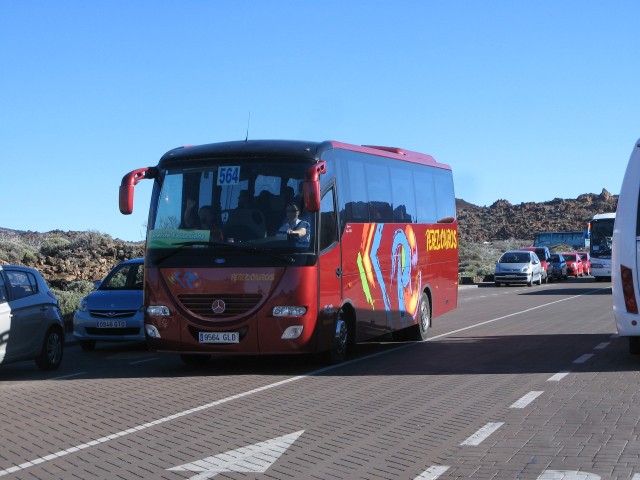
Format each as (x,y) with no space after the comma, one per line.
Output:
(559,266)
(31,324)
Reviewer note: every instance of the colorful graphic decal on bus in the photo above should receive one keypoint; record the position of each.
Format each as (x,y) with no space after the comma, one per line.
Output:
(404,269)
(405,261)
(188,280)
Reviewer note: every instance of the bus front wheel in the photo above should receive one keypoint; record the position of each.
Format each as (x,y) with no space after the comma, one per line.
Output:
(340,341)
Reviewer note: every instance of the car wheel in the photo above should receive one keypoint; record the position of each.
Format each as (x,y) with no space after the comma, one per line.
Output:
(634,345)
(52,350)
(193,359)
(340,341)
(88,345)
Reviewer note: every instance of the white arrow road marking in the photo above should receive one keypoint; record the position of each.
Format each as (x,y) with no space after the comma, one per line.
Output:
(567,475)
(254,458)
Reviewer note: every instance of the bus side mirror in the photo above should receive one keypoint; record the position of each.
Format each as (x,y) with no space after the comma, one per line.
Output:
(127,185)
(311,186)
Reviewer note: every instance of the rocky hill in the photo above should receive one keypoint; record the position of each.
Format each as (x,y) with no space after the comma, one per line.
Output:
(67,257)
(502,220)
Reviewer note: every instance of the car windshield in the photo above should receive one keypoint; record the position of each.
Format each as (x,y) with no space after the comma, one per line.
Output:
(570,258)
(555,258)
(515,257)
(124,277)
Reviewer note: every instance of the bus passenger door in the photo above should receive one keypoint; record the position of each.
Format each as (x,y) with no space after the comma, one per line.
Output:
(329,269)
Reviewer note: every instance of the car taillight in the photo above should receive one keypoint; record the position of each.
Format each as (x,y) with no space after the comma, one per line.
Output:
(626,275)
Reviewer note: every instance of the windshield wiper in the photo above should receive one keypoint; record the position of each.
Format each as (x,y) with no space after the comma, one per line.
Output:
(182,245)
(251,248)
(216,243)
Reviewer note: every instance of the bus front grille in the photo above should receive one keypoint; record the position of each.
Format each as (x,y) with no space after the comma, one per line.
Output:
(219,306)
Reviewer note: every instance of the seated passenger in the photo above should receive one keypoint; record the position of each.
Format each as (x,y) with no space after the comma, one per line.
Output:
(298,231)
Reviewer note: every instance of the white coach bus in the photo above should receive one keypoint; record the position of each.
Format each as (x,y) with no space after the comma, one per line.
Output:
(625,260)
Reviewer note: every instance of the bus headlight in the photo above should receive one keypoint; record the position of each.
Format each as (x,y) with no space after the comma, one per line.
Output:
(152,331)
(289,311)
(158,311)
(292,333)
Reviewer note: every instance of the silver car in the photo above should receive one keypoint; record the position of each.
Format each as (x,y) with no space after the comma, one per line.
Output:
(31,324)
(518,266)
(114,311)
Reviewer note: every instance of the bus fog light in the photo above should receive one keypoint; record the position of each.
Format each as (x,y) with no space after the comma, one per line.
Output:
(152,331)
(289,311)
(292,333)
(158,311)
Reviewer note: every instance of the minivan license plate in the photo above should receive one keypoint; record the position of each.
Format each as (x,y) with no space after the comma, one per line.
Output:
(112,324)
(219,337)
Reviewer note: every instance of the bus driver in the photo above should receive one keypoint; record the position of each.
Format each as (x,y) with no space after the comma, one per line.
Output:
(298,231)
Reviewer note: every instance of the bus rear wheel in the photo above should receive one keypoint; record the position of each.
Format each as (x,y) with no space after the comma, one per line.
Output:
(420,331)
(634,345)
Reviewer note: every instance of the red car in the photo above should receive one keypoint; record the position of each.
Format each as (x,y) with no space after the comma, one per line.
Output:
(574,264)
(586,262)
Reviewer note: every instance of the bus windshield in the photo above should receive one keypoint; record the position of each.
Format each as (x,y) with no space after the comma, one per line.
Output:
(601,238)
(236,211)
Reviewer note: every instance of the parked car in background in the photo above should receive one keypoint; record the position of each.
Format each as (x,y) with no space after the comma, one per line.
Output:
(31,325)
(543,254)
(586,262)
(518,266)
(559,266)
(113,312)
(574,264)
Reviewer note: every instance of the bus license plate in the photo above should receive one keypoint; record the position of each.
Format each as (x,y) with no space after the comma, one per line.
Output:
(219,337)
(112,324)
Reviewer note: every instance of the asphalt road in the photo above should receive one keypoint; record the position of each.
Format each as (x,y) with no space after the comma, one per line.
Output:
(518,382)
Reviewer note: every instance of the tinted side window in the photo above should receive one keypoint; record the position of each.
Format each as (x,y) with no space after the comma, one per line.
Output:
(445,196)
(328,224)
(21,284)
(3,290)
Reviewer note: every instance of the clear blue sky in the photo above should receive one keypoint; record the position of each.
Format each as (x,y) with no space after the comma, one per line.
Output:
(527,101)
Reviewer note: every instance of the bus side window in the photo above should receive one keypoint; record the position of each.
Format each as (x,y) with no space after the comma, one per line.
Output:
(328,225)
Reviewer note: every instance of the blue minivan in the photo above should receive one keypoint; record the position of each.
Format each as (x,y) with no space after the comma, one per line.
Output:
(113,312)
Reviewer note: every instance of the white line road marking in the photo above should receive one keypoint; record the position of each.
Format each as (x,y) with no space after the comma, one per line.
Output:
(514,314)
(143,361)
(601,346)
(583,358)
(68,376)
(432,473)
(558,376)
(135,429)
(482,434)
(527,399)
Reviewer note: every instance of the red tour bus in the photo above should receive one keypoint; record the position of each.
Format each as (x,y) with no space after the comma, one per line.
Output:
(224,273)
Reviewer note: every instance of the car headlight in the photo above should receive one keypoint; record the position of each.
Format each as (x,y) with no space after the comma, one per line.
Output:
(83,305)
